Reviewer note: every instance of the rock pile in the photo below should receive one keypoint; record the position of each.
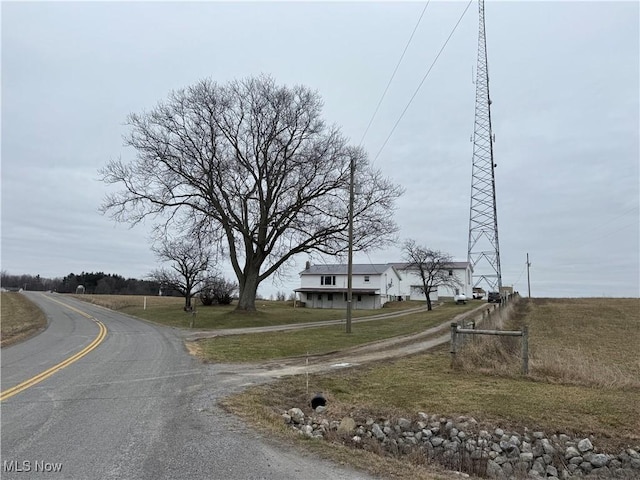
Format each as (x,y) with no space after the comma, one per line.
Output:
(461,445)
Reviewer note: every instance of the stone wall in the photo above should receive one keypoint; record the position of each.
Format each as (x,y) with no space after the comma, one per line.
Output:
(462,446)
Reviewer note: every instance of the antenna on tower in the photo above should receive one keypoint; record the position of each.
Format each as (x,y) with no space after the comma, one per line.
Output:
(484,250)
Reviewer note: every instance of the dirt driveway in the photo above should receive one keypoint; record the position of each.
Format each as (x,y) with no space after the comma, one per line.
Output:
(384,349)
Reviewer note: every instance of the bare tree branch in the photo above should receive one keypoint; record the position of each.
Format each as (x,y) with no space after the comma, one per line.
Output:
(432,266)
(188,261)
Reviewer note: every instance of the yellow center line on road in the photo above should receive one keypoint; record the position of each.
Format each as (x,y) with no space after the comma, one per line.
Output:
(65,363)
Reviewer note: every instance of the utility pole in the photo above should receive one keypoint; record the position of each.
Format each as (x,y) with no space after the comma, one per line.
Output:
(528,279)
(484,251)
(352,168)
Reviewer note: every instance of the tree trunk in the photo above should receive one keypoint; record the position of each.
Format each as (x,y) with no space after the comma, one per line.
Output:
(248,290)
(187,302)
(429,302)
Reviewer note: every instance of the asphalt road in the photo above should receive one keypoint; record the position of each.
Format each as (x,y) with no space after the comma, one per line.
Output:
(137,406)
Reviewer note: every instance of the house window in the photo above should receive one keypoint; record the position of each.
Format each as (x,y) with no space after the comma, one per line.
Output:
(320,297)
(450,273)
(345,296)
(366,278)
(359,298)
(330,297)
(328,280)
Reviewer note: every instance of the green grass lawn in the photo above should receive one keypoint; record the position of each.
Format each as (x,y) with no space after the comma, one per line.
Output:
(169,311)
(267,346)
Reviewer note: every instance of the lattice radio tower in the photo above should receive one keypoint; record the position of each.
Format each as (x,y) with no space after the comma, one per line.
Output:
(484,251)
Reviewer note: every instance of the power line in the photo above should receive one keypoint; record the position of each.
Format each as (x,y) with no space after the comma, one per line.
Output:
(626,212)
(604,228)
(423,79)
(520,276)
(394,72)
(609,233)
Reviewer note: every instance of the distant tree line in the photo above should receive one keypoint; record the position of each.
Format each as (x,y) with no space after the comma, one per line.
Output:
(93,283)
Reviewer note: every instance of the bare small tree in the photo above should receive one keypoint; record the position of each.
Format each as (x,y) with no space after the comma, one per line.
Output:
(188,263)
(432,266)
(256,163)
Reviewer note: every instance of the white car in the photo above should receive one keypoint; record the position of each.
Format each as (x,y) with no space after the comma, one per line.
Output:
(460,298)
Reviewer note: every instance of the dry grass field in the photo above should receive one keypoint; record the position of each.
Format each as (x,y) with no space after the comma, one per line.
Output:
(20,318)
(591,342)
(131,302)
(584,381)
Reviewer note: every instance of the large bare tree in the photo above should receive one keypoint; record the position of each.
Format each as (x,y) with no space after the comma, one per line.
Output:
(188,263)
(432,266)
(256,163)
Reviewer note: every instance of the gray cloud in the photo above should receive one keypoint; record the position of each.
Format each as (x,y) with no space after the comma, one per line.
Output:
(564,84)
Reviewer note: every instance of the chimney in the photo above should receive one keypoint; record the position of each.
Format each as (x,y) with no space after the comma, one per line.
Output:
(307,265)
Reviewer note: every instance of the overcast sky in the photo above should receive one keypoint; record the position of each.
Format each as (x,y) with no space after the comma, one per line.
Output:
(564,84)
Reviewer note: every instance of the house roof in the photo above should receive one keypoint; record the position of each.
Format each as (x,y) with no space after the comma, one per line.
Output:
(455,265)
(365,268)
(341,269)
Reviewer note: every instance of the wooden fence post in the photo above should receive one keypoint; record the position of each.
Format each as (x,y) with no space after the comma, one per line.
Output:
(454,332)
(525,350)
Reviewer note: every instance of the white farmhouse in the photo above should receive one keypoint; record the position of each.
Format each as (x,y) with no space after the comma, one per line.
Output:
(411,283)
(325,286)
(373,285)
